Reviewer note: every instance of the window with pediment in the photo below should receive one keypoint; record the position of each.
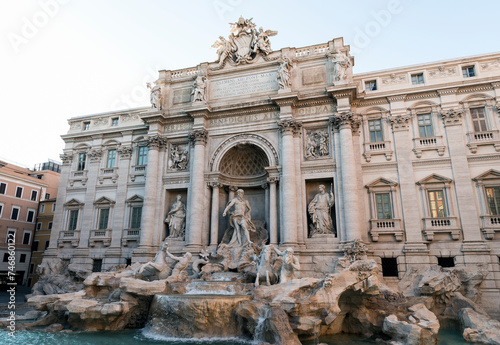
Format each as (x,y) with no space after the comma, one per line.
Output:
(375,129)
(479,121)
(488,190)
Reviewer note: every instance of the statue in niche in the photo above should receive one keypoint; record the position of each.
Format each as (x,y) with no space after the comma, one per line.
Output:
(289,265)
(240,219)
(178,158)
(155,97)
(319,210)
(199,88)
(284,73)
(176,219)
(179,273)
(317,144)
(342,65)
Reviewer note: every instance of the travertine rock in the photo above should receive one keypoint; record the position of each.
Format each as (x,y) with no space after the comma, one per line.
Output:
(478,328)
(143,288)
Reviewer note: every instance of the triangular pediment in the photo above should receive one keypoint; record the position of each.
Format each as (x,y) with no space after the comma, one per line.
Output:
(381,182)
(434,178)
(135,198)
(491,174)
(103,201)
(73,202)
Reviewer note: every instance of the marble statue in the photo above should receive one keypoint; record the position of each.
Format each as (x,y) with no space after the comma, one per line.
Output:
(342,65)
(199,88)
(225,49)
(179,273)
(176,219)
(289,265)
(240,219)
(178,158)
(155,97)
(319,210)
(262,42)
(284,74)
(158,268)
(266,271)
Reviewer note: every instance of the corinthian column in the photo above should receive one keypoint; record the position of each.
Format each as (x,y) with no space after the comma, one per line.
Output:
(214,224)
(289,184)
(344,122)
(193,236)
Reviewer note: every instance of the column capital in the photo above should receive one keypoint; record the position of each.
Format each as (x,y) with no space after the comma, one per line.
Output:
(198,136)
(125,152)
(265,185)
(452,117)
(345,119)
(232,188)
(214,184)
(273,179)
(289,126)
(156,142)
(66,158)
(400,122)
(95,155)
(497,107)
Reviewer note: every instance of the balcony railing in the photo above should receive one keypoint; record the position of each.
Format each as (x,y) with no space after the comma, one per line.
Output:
(100,235)
(447,225)
(78,176)
(130,235)
(71,236)
(377,148)
(476,139)
(108,173)
(428,144)
(380,227)
(137,170)
(490,225)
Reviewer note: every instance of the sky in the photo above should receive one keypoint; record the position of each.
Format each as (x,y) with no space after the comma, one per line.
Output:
(65,58)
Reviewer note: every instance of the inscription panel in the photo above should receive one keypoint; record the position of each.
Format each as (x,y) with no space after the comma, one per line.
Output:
(316,110)
(182,96)
(315,75)
(174,127)
(231,120)
(243,85)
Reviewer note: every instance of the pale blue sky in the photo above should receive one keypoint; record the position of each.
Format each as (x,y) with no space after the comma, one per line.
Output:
(84,57)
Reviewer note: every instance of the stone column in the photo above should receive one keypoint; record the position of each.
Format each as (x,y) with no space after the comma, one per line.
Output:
(145,251)
(301,232)
(214,223)
(273,211)
(289,184)
(265,186)
(343,121)
(197,190)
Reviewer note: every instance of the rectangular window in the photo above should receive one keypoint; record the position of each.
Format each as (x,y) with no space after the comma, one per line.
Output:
(103,218)
(19,192)
(114,121)
(1,210)
(468,71)
(11,233)
(436,203)
(3,187)
(383,201)
(446,261)
(111,159)
(22,258)
(82,157)
(49,226)
(389,267)
(38,226)
(26,238)
(425,126)
(142,155)
(34,195)
(478,119)
(32,268)
(53,207)
(375,127)
(42,208)
(30,218)
(371,85)
(47,196)
(34,246)
(417,79)
(86,125)
(47,244)
(97,265)
(135,222)
(493,199)
(73,219)
(128,262)
(14,215)
(5,257)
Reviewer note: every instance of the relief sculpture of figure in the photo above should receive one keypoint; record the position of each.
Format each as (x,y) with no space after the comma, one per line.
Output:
(240,219)
(176,219)
(199,87)
(289,265)
(178,158)
(319,209)
(155,96)
(284,72)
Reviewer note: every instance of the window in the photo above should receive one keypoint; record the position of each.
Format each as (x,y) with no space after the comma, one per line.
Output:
(468,71)
(103,218)
(446,261)
(1,210)
(142,155)
(111,159)
(375,128)
(97,265)
(30,218)
(82,157)
(135,220)
(73,219)
(53,207)
(47,196)
(32,269)
(417,79)
(38,226)
(34,246)
(371,85)
(425,126)
(5,257)
(34,195)
(3,187)
(26,237)
(49,226)
(14,215)
(389,267)
(478,119)
(128,262)
(42,208)
(11,234)
(19,192)
(46,244)
(436,203)
(22,258)
(114,121)
(383,202)
(86,125)
(493,200)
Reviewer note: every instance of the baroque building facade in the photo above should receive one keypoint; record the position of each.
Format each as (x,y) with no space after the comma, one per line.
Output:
(405,159)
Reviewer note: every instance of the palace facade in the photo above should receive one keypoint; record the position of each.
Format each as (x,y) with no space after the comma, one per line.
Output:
(411,155)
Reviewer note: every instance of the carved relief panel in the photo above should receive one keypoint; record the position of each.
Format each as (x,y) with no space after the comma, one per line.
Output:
(178,156)
(316,143)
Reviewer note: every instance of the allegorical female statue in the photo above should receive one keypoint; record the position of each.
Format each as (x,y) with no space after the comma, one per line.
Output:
(319,209)
(176,219)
